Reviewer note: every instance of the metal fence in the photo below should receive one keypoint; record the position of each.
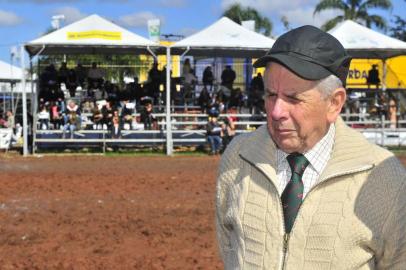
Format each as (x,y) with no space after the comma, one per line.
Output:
(189,129)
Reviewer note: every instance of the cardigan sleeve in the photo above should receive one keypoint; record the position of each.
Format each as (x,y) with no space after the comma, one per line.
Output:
(228,170)
(394,232)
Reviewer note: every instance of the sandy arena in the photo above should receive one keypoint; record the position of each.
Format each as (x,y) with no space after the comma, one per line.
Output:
(92,212)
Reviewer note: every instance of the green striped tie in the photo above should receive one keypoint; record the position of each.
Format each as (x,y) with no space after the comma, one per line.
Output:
(293,194)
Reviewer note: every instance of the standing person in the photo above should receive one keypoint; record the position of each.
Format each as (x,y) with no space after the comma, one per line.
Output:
(186,68)
(373,77)
(214,133)
(227,77)
(306,191)
(154,80)
(81,75)
(208,78)
(147,117)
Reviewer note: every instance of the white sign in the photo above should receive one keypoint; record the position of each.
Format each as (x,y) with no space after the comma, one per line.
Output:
(5,137)
(154,29)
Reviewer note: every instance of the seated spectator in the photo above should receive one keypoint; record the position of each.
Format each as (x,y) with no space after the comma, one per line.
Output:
(87,106)
(136,125)
(214,133)
(10,123)
(127,112)
(44,118)
(204,99)
(56,110)
(147,117)
(97,118)
(3,122)
(72,119)
(236,98)
(115,130)
(108,112)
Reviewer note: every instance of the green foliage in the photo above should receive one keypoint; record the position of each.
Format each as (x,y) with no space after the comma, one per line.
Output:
(356,10)
(115,66)
(237,13)
(398,30)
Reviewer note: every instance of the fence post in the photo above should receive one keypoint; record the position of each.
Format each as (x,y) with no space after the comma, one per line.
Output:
(169,142)
(382,129)
(104,143)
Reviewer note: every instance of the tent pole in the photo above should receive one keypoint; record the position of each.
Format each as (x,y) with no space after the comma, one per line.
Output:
(185,52)
(34,106)
(25,128)
(169,142)
(385,68)
(151,52)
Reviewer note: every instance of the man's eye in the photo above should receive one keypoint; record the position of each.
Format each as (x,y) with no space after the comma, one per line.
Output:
(294,99)
(269,95)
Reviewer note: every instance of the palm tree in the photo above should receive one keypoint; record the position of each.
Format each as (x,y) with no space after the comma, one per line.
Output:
(237,13)
(356,10)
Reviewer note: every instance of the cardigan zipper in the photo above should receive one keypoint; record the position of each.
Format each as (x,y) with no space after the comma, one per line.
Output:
(286,236)
(285,249)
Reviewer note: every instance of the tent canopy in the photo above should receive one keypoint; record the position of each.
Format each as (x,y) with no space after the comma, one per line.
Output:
(91,35)
(362,42)
(224,38)
(9,73)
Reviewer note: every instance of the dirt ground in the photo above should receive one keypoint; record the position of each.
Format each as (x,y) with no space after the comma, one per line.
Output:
(94,212)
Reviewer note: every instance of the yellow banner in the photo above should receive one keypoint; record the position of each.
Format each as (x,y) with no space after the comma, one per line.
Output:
(395,72)
(109,35)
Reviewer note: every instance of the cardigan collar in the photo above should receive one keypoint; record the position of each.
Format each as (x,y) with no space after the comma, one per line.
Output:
(349,153)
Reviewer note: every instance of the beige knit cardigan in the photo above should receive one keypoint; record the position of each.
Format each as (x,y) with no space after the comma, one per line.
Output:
(353,218)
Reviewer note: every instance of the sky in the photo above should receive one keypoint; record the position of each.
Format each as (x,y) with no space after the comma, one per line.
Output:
(24,20)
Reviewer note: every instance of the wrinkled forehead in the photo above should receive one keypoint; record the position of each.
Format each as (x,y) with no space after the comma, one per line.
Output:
(276,76)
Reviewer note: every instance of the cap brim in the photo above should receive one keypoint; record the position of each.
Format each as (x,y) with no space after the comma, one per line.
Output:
(302,68)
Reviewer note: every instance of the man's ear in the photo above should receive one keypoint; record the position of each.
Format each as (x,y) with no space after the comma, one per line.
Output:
(337,101)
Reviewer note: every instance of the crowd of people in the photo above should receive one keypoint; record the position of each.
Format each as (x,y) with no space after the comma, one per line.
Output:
(131,106)
(115,107)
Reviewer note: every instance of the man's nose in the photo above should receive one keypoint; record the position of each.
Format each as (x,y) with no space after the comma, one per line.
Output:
(278,109)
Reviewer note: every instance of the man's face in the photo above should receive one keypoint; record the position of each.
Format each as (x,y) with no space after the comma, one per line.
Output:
(298,116)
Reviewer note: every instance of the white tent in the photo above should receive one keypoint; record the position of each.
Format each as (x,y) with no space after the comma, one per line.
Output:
(9,73)
(91,35)
(224,38)
(362,42)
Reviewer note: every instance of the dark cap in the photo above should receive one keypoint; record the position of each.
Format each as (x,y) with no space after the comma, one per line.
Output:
(310,53)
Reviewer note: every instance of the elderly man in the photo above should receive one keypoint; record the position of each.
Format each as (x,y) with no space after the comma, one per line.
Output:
(306,191)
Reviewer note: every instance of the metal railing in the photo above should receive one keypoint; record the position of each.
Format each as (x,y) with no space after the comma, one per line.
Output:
(189,129)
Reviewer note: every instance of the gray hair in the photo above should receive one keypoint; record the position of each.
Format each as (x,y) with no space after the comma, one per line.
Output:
(327,85)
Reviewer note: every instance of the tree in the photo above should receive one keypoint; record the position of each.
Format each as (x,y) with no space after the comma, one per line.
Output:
(356,10)
(286,24)
(399,29)
(237,13)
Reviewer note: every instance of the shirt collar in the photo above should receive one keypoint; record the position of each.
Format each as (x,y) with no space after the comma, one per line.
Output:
(319,155)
